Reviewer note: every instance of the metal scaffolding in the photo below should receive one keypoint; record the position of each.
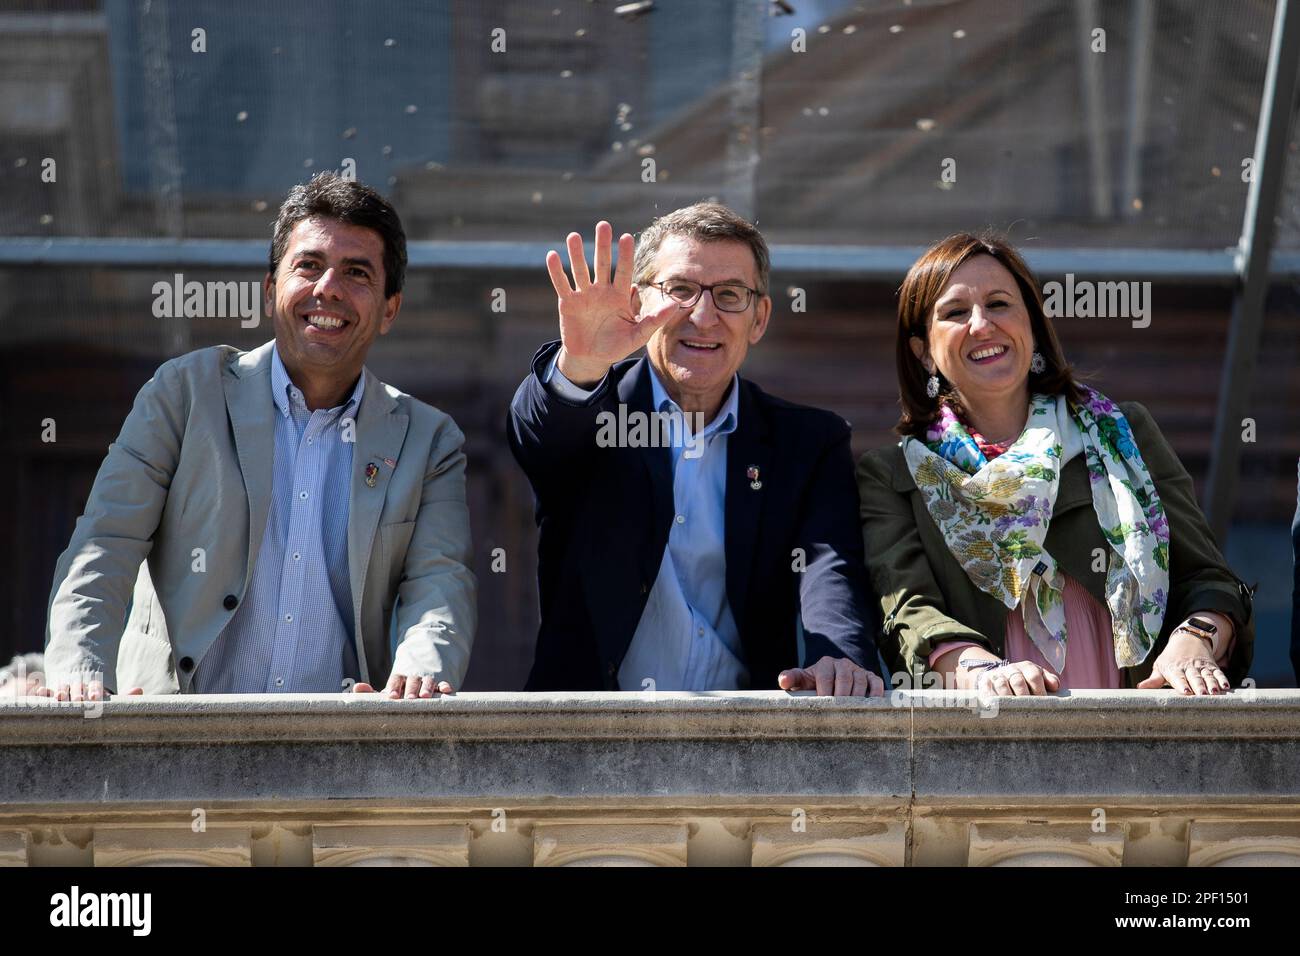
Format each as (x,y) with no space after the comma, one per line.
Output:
(1253,268)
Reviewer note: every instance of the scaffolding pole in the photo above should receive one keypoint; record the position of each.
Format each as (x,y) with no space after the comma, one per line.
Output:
(1255,249)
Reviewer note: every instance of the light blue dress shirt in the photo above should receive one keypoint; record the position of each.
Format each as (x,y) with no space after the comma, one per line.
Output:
(687,638)
(293,631)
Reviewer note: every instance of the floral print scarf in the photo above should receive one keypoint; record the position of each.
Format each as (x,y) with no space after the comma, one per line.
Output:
(994,517)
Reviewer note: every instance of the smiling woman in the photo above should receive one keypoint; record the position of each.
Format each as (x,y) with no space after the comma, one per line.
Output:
(1024,512)
(974,294)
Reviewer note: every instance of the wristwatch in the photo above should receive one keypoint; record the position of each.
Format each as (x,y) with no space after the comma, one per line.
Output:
(1200,627)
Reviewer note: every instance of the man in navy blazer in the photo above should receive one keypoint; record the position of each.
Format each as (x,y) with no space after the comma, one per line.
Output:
(695,532)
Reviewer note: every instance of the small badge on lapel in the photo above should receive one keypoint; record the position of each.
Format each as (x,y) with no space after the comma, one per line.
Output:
(752,474)
(390,462)
(372,474)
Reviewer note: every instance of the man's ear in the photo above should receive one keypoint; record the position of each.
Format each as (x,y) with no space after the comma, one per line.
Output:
(268,293)
(918,349)
(761,316)
(391,307)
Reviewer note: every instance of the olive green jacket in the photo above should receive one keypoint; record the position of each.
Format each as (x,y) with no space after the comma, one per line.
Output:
(926,597)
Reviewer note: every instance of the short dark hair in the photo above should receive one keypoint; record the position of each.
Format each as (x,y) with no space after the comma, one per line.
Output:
(330,195)
(917,296)
(704,222)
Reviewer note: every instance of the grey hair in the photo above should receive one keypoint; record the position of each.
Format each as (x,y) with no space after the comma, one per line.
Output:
(704,222)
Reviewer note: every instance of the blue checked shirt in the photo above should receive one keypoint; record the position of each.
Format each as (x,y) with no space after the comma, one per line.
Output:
(687,638)
(293,631)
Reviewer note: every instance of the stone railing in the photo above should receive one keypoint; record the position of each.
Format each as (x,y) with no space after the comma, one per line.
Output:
(759,779)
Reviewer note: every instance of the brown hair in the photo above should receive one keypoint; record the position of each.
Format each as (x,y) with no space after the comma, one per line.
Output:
(704,222)
(921,289)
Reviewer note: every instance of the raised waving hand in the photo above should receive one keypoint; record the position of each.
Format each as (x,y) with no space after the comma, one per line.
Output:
(601,319)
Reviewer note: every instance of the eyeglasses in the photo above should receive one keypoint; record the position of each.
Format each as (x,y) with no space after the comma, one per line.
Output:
(727,296)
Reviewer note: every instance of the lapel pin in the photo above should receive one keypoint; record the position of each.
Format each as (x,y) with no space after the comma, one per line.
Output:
(390,462)
(752,474)
(372,474)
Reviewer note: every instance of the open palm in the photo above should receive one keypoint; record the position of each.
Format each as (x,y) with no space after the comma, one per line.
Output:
(600,319)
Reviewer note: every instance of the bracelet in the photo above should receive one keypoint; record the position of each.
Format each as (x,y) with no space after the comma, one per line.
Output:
(980,665)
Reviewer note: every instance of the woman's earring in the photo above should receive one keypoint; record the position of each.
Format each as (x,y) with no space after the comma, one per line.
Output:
(932,386)
(1038,364)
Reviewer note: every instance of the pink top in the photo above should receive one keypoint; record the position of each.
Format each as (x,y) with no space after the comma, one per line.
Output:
(1090,648)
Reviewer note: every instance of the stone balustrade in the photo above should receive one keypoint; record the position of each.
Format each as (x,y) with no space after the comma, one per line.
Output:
(662,779)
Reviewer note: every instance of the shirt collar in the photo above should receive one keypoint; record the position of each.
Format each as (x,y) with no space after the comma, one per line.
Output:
(281,384)
(724,423)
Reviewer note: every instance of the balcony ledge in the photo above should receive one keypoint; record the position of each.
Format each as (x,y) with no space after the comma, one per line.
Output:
(661,778)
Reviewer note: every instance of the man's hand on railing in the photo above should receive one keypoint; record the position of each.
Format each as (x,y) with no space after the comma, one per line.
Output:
(401,687)
(833,676)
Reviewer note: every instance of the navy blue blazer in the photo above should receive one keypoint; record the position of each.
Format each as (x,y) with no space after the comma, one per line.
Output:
(604,514)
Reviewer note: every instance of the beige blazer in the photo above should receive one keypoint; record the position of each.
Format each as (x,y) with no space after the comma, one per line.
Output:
(174,521)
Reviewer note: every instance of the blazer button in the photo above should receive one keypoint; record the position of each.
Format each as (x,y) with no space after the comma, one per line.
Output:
(645,588)
(230,603)
(187,663)
(612,670)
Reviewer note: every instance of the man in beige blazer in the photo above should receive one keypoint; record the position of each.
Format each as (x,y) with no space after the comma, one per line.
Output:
(266,519)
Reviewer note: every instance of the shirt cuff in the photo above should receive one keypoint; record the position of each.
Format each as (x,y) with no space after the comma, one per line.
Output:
(559,385)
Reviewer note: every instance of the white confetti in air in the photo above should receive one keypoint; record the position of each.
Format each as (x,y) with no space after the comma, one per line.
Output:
(241,116)
(925,125)
(896,28)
